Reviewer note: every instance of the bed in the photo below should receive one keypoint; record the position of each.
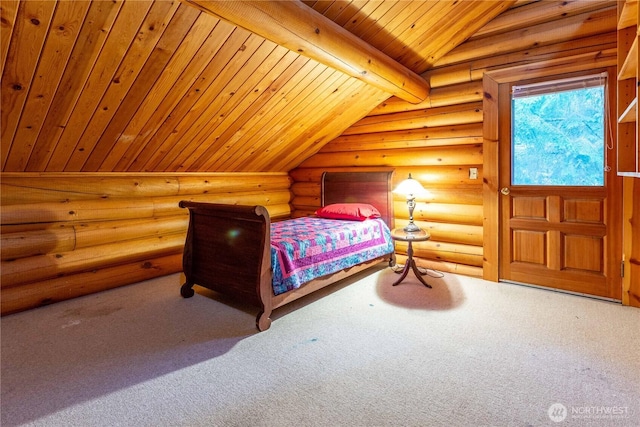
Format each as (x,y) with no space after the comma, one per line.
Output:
(237,250)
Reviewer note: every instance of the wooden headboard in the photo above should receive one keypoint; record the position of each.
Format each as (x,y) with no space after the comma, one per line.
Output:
(360,187)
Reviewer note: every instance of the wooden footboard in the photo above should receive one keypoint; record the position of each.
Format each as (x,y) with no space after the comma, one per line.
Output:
(227,250)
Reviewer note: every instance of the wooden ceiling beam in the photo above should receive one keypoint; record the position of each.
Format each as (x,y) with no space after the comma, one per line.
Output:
(301,29)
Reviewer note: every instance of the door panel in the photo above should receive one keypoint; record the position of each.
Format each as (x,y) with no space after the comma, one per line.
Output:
(556,240)
(554,236)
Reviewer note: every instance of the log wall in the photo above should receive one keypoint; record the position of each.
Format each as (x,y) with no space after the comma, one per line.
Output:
(439,140)
(438,146)
(65,235)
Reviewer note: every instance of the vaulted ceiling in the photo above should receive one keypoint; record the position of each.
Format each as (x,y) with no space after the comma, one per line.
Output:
(169,86)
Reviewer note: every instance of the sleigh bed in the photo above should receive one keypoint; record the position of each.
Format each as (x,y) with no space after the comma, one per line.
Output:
(237,251)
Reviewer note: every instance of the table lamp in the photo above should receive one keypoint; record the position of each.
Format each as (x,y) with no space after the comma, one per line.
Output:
(410,188)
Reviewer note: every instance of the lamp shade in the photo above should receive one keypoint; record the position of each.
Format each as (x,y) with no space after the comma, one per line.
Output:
(410,187)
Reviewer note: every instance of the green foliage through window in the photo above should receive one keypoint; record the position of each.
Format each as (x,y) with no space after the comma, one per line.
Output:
(558,138)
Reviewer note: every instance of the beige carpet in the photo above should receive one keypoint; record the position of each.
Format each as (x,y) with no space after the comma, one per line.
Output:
(465,353)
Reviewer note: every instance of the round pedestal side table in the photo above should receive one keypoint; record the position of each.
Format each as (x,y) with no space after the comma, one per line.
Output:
(400,234)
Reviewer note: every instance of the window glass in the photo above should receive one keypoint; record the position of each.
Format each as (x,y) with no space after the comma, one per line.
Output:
(558,133)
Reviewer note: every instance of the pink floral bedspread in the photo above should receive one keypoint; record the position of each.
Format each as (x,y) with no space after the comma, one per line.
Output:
(303,249)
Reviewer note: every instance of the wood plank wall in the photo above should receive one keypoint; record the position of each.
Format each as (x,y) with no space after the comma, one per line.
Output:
(631,233)
(439,140)
(65,235)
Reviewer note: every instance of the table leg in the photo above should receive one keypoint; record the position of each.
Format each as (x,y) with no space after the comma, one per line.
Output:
(404,272)
(418,273)
(411,265)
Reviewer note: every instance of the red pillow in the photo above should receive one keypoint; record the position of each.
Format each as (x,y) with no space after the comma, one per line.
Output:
(348,211)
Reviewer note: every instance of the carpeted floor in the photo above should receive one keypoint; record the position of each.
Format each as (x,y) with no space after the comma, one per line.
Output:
(364,353)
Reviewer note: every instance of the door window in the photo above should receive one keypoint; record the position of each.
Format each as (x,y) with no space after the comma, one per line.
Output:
(558,132)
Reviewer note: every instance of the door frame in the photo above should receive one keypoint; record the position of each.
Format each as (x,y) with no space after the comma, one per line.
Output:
(490,185)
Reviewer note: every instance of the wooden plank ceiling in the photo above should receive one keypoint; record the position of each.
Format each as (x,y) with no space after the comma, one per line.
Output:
(160,86)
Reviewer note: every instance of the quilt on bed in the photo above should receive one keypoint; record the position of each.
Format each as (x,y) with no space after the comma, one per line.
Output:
(303,249)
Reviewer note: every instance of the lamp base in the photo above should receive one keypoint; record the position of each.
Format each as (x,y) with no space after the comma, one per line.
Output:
(411,228)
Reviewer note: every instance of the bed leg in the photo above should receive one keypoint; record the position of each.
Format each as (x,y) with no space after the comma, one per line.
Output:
(263,322)
(186,290)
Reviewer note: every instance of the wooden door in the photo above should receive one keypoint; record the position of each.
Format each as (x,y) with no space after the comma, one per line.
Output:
(557,236)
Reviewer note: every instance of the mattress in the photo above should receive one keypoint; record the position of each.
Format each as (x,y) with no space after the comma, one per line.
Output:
(304,249)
